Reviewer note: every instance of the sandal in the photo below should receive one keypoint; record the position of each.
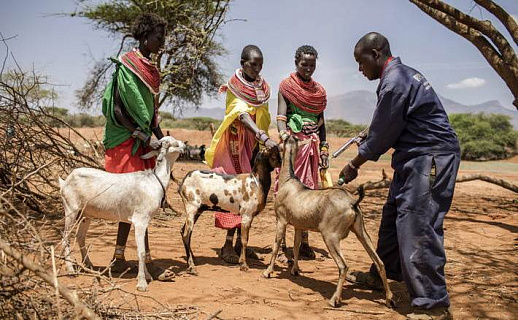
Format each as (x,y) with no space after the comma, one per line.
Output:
(366,279)
(306,252)
(159,273)
(249,252)
(120,265)
(440,313)
(282,257)
(228,255)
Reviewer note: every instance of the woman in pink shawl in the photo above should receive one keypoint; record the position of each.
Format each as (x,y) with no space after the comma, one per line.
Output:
(301,113)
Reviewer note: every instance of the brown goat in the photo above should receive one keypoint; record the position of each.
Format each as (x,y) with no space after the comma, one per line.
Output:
(331,211)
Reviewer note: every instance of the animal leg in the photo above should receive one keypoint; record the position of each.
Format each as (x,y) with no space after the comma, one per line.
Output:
(81,240)
(246,222)
(333,245)
(140,231)
(296,250)
(70,218)
(193,213)
(281,230)
(364,238)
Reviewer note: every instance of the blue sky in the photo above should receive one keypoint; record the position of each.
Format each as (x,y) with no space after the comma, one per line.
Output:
(63,47)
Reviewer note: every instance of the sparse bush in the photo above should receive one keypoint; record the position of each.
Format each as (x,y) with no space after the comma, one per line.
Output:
(342,128)
(196,123)
(484,136)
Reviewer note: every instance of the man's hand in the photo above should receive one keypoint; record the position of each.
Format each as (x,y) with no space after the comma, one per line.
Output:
(270,144)
(154,144)
(347,174)
(324,160)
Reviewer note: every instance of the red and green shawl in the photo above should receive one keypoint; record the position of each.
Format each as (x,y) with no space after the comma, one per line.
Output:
(308,96)
(138,81)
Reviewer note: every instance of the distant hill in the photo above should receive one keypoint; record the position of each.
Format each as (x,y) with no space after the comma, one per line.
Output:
(358,106)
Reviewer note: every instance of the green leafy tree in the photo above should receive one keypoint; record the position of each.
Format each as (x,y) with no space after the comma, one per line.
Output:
(188,63)
(484,136)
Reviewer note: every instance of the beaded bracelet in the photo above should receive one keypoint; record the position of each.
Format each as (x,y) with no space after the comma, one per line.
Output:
(282,118)
(284,134)
(324,145)
(261,136)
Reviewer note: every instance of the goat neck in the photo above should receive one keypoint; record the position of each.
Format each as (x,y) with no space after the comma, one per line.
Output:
(287,171)
(163,168)
(261,171)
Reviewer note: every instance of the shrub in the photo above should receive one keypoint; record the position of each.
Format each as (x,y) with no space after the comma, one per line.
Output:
(484,136)
(342,128)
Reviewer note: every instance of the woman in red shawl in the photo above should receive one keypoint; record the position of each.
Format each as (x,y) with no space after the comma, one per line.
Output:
(129,105)
(301,113)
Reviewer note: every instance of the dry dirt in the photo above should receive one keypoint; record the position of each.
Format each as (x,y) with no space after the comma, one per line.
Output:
(481,240)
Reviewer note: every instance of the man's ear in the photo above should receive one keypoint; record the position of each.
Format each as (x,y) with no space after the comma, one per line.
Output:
(242,63)
(375,54)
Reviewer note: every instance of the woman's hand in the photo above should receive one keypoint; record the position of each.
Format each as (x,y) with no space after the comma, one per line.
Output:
(324,159)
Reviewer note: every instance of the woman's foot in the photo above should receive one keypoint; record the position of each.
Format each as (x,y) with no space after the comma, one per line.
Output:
(158,273)
(282,256)
(228,254)
(366,279)
(306,252)
(249,252)
(120,265)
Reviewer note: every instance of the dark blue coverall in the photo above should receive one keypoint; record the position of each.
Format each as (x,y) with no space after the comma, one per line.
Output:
(410,118)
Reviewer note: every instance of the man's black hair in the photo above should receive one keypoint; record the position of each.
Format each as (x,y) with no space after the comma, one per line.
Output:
(305,49)
(146,23)
(374,40)
(247,51)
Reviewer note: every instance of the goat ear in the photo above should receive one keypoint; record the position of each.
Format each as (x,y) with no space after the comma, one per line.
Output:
(150,154)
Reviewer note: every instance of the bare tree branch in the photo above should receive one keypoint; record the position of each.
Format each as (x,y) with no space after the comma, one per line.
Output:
(498,53)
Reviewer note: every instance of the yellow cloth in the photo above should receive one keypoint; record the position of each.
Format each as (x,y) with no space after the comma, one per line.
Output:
(235,107)
(325,177)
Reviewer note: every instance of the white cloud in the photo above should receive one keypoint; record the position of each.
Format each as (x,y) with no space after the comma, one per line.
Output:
(467,83)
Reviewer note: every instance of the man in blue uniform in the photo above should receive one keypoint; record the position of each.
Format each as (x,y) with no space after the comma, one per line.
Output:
(409,118)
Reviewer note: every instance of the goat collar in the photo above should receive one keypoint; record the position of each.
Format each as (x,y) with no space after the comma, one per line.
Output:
(163,203)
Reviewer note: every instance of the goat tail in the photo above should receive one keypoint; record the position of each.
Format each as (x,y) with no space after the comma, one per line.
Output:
(361,195)
(178,182)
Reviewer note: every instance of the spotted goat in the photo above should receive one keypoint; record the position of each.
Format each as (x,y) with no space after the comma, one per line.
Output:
(243,193)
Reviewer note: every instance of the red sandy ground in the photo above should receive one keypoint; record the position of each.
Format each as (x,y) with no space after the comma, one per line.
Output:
(481,239)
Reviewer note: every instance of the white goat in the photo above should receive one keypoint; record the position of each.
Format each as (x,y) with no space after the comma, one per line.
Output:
(129,197)
(243,193)
(330,211)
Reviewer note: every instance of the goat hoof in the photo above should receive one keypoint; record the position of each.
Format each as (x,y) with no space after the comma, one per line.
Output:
(142,288)
(391,303)
(266,274)
(335,302)
(243,267)
(192,271)
(295,272)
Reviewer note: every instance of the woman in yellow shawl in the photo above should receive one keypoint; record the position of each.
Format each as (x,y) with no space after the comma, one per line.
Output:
(244,127)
